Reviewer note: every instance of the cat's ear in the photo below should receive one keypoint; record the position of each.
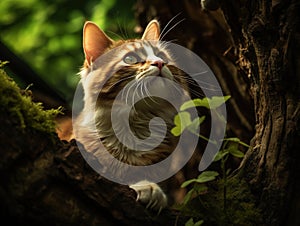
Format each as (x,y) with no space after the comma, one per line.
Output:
(95,41)
(152,31)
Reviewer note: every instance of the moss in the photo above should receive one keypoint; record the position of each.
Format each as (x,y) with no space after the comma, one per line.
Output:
(240,207)
(240,203)
(17,105)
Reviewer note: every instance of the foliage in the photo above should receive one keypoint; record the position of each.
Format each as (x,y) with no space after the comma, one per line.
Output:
(227,201)
(18,104)
(209,103)
(199,188)
(183,120)
(47,34)
(190,222)
(208,206)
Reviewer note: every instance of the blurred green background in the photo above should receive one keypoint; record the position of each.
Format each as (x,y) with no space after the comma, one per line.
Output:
(47,34)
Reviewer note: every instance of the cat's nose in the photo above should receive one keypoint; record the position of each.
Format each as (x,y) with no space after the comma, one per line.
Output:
(158,63)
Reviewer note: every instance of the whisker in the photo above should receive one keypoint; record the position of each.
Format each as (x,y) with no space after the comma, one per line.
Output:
(199,73)
(149,94)
(165,44)
(196,93)
(125,31)
(190,80)
(122,29)
(212,87)
(140,90)
(128,91)
(121,80)
(145,93)
(115,34)
(162,32)
(202,87)
(176,86)
(133,96)
(162,37)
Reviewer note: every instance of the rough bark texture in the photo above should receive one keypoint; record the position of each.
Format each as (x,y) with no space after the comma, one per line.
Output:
(269,32)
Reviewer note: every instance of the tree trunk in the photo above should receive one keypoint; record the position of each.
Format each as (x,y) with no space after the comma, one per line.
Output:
(269,32)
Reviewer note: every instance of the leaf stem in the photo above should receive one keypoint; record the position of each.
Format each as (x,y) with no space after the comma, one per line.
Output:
(204,138)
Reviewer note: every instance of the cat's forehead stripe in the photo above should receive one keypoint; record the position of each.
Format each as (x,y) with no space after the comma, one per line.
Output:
(131,48)
(143,49)
(134,46)
(149,50)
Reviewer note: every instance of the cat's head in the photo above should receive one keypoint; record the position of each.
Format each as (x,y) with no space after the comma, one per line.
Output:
(125,60)
(96,42)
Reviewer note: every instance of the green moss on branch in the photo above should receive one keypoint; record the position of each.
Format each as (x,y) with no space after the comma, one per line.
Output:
(17,105)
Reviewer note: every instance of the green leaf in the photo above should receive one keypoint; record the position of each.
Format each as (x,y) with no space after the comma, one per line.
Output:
(188,182)
(233,149)
(188,197)
(228,172)
(198,223)
(3,63)
(200,188)
(176,131)
(236,153)
(195,103)
(202,178)
(207,176)
(237,140)
(182,120)
(206,102)
(194,126)
(190,222)
(221,155)
(185,119)
(216,102)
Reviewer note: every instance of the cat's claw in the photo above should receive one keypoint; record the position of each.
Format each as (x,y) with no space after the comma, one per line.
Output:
(150,194)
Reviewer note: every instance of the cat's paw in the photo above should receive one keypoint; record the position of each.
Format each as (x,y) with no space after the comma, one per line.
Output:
(151,195)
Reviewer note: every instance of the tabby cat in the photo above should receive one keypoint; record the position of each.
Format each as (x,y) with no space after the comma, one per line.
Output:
(128,68)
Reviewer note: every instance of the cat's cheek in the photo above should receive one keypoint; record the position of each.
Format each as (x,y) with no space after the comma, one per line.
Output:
(165,71)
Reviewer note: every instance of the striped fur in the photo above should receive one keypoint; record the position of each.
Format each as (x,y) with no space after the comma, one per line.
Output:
(104,78)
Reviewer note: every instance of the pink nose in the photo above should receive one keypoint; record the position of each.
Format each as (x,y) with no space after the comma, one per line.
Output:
(158,63)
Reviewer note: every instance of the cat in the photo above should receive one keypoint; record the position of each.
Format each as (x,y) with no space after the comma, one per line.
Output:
(108,67)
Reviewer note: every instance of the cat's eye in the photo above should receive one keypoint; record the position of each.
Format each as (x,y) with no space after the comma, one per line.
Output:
(131,58)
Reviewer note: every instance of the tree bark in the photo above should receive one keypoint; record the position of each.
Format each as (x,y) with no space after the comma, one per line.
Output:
(269,31)
(49,183)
